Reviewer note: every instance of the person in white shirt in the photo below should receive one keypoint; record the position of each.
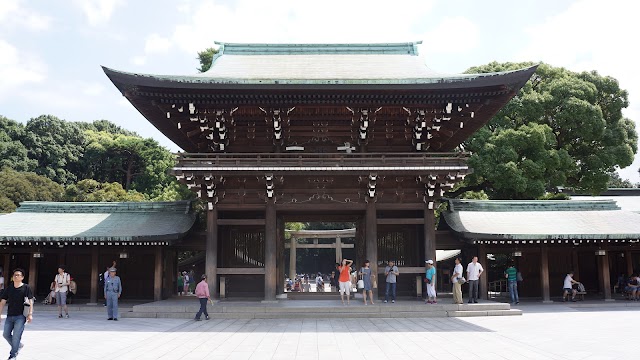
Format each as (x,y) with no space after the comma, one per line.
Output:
(455,280)
(474,270)
(61,286)
(568,287)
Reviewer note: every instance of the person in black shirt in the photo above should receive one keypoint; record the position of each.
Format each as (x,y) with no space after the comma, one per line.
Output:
(20,299)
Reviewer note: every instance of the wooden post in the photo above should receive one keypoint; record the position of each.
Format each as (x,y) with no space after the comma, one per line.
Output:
(544,274)
(292,258)
(5,269)
(430,234)
(270,252)
(157,274)
(606,276)
(483,286)
(211,251)
(169,274)
(33,273)
(93,292)
(576,264)
(339,250)
(627,256)
(371,234)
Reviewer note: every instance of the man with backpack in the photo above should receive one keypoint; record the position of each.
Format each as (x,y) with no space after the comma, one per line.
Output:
(61,282)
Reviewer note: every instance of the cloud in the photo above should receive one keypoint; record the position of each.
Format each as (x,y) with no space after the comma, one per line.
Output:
(439,39)
(14,15)
(139,60)
(156,44)
(591,35)
(98,12)
(296,21)
(18,68)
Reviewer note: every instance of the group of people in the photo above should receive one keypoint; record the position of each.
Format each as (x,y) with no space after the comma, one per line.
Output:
(186,283)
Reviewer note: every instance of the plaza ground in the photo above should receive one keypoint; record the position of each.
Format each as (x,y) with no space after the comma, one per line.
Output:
(545,331)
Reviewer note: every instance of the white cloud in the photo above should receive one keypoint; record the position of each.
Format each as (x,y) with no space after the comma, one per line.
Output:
(18,68)
(139,60)
(156,44)
(592,35)
(296,21)
(453,35)
(92,89)
(98,12)
(14,15)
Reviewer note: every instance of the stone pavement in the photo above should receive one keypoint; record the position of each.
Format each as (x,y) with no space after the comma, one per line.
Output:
(555,331)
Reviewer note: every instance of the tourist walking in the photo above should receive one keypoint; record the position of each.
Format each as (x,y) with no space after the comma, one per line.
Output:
(367,279)
(474,270)
(20,310)
(430,277)
(391,272)
(61,281)
(319,283)
(185,285)
(333,281)
(511,274)
(112,292)
(202,292)
(345,279)
(456,281)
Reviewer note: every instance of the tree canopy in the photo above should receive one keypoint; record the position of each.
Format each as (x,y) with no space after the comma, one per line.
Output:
(205,58)
(91,190)
(562,129)
(16,187)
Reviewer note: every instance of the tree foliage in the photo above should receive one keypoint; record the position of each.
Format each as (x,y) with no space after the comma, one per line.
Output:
(26,186)
(205,58)
(91,190)
(13,154)
(56,145)
(615,181)
(562,129)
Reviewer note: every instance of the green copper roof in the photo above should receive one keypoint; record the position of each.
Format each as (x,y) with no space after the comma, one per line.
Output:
(408,48)
(82,222)
(527,220)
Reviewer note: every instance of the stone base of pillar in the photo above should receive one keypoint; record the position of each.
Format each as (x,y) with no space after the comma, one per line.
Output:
(269,302)
(609,299)
(547,301)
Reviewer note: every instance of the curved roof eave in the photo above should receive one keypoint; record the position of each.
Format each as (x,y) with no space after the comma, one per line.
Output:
(515,79)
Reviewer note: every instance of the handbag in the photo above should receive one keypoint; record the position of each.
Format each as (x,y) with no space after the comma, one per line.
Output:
(27,307)
(462,280)
(519,276)
(360,284)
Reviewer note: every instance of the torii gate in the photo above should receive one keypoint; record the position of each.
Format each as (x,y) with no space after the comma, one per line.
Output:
(315,235)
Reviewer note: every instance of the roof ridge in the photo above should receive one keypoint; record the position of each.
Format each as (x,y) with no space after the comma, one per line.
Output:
(531,205)
(405,48)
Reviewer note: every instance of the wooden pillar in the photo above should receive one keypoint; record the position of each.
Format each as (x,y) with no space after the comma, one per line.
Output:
(483,286)
(292,258)
(211,251)
(33,273)
(5,269)
(371,240)
(339,250)
(576,264)
(544,273)
(270,252)
(627,256)
(430,233)
(157,274)
(603,260)
(93,292)
(169,274)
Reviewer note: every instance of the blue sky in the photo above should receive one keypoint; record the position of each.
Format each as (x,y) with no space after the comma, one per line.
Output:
(51,51)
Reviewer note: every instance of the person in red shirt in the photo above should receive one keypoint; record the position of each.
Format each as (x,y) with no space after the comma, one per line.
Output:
(345,279)
(202,292)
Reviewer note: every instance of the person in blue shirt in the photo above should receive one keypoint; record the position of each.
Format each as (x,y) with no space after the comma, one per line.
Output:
(430,279)
(112,292)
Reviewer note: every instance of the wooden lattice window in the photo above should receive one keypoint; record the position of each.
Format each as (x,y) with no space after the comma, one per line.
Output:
(398,243)
(242,247)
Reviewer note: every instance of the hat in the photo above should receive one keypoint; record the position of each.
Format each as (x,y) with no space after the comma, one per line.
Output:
(429,262)
(112,269)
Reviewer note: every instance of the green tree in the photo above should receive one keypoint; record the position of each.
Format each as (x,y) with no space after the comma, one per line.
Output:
(13,153)
(615,181)
(562,129)
(206,59)
(90,190)
(136,163)
(106,126)
(56,145)
(27,186)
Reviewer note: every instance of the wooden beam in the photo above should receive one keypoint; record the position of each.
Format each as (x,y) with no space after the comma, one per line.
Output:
(320,246)
(292,257)
(241,271)
(95,269)
(627,256)
(270,249)
(223,222)
(157,274)
(429,233)
(371,240)
(400,221)
(483,286)
(544,273)
(6,271)
(33,273)
(606,277)
(211,251)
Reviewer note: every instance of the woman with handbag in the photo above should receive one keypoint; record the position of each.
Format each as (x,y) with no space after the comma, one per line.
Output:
(366,281)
